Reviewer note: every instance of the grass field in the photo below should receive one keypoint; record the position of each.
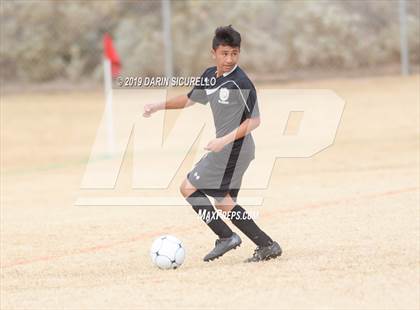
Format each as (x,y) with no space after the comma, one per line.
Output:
(347,218)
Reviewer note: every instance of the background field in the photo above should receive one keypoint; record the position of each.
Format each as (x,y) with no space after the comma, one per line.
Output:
(347,218)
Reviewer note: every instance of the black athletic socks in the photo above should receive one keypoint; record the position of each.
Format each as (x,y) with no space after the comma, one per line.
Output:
(246,224)
(202,205)
(239,217)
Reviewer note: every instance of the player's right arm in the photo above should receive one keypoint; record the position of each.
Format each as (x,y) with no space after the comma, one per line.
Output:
(178,102)
(197,94)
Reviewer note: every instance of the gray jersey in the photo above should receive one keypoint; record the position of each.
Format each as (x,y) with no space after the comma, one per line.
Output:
(233,99)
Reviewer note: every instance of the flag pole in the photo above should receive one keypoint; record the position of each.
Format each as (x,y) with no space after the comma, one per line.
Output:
(108,106)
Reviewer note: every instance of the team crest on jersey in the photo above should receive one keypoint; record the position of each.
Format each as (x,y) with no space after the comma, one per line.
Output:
(224,95)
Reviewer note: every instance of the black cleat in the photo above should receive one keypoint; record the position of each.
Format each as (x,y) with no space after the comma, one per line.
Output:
(222,246)
(265,253)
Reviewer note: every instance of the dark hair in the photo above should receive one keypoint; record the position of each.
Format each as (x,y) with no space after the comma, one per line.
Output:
(226,36)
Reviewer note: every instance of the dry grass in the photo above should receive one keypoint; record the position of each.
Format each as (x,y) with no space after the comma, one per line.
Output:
(348,218)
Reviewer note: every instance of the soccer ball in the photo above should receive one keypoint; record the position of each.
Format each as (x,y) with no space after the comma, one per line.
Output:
(167,252)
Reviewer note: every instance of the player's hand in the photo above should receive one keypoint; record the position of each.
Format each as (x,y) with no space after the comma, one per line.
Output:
(149,109)
(215,145)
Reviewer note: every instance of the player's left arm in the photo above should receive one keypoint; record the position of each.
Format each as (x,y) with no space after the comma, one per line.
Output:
(245,128)
(216,145)
(252,121)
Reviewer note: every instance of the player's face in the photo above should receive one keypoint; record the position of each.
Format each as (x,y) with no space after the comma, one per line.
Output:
(226,57)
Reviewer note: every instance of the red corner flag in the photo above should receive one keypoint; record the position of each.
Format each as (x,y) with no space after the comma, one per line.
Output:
(111,54)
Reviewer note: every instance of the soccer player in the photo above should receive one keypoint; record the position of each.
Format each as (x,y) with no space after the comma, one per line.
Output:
(233,101)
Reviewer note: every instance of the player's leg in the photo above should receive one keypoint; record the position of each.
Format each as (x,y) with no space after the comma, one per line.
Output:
(267,248)
(228,240)
(226,204)
(187,188)
(202,205)
(241,219)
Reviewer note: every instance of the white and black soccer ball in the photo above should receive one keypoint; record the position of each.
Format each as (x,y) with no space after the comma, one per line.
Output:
(167,252)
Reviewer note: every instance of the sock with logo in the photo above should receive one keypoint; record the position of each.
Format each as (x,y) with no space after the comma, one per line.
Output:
(202,205)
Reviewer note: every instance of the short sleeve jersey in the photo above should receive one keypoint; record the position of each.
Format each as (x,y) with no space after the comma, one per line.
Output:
(233,99)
